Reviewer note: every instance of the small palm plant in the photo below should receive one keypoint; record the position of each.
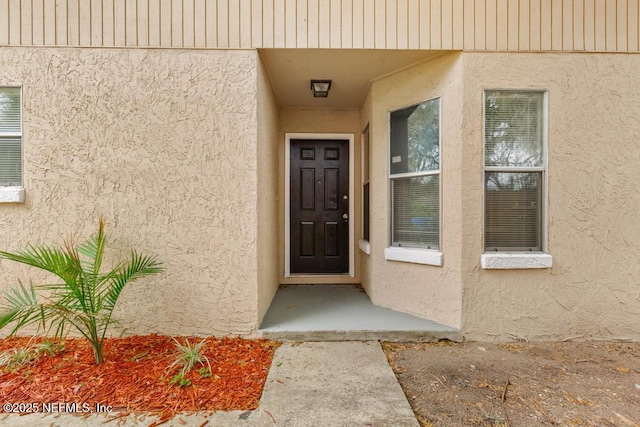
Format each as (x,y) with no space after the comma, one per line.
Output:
(86,297)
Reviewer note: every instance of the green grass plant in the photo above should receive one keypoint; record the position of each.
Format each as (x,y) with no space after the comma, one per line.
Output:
(189,356)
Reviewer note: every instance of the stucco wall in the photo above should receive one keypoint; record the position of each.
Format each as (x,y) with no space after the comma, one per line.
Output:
(428,291)
(320,121)
(268,200)
(163,143)
(183,153)
(365,259)
(593,289)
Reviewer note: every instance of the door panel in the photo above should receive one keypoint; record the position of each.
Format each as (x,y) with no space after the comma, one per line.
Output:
(331,239)
(307,189)
(319,206)
(307,239)
(331,189)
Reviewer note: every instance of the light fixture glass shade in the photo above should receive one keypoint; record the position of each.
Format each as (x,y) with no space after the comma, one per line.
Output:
(320,88)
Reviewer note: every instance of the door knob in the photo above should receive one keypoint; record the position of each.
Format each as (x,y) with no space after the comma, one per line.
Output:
(345,216)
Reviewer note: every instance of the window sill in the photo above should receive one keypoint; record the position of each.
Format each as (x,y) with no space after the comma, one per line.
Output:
(11,195)
(365,246)
(416,256)
(512,261)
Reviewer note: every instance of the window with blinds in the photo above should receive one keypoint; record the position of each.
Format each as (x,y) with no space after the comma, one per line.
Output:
(414,162)
(515,164)
(10,137)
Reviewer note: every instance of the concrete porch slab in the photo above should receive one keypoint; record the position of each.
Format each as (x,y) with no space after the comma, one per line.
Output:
(343,312)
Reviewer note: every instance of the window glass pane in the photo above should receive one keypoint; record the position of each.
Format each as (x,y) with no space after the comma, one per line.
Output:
(513,129)
(365,180)
(416,213)
(10,162)
(415,138)
(365,211)
(10,116)
(512,210)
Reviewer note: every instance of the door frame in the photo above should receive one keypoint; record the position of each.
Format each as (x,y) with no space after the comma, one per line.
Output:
(287,198)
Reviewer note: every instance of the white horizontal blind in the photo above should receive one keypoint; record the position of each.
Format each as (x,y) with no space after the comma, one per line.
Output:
(10,137)
(514,170)
(416,211)
(10,111)
(512,210)
(513,129)
(414,150)
(10,162)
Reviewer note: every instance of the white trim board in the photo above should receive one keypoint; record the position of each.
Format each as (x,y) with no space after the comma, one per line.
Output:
(414,255)
(287,193)
(11,195)
(522,260)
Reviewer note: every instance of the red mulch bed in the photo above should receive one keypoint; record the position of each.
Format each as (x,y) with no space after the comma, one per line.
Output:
(136,375)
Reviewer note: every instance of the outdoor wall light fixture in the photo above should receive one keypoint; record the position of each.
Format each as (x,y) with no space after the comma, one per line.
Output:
(320,88)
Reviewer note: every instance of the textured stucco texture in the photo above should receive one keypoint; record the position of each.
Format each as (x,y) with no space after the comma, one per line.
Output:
(429,291)
(182,151)
(163,143)
(268,200)
(591,289)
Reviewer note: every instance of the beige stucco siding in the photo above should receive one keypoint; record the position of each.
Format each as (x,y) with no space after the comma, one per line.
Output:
(594,126)
(268,230)
(425,290)
(183,152)
(163,144)
(365,258)
(515,25)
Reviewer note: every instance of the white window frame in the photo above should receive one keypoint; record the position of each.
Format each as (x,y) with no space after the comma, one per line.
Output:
(412,254)
(15,194)
(520,259)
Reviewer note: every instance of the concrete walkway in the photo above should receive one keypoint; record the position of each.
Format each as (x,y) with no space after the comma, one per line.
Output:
(346,383)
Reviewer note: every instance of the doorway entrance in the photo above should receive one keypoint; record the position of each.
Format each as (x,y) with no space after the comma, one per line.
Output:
(318,193)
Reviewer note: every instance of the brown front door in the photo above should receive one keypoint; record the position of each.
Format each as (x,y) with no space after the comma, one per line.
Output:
(319,206)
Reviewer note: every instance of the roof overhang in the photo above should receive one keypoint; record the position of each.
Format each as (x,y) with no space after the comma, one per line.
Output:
(350,70)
